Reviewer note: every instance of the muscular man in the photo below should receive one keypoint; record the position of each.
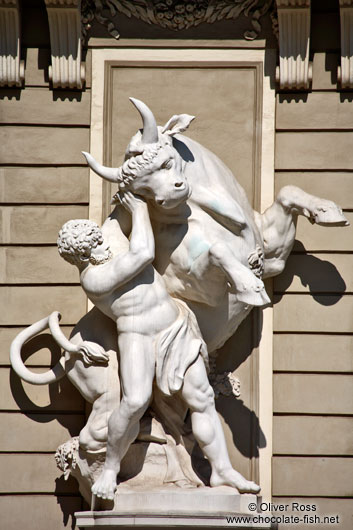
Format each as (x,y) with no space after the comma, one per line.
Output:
(158,338)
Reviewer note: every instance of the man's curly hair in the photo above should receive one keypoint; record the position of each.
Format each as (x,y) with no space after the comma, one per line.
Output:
(76,239)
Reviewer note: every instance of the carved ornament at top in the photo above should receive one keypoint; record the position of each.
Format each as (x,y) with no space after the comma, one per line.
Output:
(11,67)
(66,70)
(295,70)
(176,14)
(345,70)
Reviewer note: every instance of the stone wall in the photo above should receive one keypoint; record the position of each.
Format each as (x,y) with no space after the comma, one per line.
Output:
(313,317)
(43,183)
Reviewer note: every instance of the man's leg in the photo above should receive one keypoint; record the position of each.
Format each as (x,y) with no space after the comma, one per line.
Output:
(208,431)
(137,369)
(278,223)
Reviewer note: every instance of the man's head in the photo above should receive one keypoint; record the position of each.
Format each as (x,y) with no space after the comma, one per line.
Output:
(81,242)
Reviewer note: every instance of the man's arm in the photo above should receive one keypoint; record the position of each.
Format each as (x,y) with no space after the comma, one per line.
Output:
(102,279)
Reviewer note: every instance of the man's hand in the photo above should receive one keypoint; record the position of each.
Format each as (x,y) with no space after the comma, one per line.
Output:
(131,202)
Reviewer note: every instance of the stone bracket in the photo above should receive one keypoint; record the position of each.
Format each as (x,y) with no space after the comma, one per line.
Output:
(294,71)
(66,70)
(345,70)
(12,70)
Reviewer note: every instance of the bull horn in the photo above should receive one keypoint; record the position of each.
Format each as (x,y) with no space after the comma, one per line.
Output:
(150,131)
(55,374)
(108,173)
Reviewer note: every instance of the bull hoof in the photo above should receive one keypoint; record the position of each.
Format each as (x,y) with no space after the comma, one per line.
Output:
(327,213)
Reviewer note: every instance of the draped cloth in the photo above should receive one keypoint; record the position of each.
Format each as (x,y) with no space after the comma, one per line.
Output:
(177,348)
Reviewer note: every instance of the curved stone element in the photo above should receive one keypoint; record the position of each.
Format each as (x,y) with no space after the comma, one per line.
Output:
(345,70)
(66,70)
(12,72)
(294,71)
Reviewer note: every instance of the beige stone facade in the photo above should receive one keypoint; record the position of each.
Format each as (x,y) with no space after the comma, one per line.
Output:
(296,404)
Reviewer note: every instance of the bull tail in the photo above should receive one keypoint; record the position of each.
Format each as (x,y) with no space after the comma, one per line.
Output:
(55,373)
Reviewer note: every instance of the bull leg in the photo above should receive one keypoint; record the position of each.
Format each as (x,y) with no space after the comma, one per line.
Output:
(278,223)
(244,283)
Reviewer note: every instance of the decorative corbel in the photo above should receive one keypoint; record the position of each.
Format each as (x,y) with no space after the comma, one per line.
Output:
(66,70)
(12,70)
(345,71)
(295,70)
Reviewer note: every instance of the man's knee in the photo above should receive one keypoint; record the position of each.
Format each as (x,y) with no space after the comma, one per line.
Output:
(136,403)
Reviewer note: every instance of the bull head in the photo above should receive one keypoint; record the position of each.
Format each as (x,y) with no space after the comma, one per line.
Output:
(176,124)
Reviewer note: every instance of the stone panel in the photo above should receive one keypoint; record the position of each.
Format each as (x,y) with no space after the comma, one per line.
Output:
(44,185)
(34,512)
(312,353)
(234,113)
(313,393)
(37,432)
(310,435)
(313,476)
(47,399)
(33,473)
(35,265)
(43,145)
(334,185)
(316,273)
(64,108)
(36,224)
(324,238)
(314,150)
(298,112)
(318,313)
(25,305)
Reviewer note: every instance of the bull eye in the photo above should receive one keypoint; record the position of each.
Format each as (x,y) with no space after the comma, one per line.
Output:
(168,164)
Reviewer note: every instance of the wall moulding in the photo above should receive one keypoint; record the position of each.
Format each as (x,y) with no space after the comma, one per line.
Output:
(107,61)
(345,70)
(11,67)
(66,70)
(295,70)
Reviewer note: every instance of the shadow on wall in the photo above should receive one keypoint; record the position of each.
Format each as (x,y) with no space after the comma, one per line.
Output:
(68,505)
(242,421)
(320,276)
(62,394)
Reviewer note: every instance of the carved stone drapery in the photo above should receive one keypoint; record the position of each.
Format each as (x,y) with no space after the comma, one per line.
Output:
(11,67)
(345,70)
(176,14)
(66,70)
(295,70)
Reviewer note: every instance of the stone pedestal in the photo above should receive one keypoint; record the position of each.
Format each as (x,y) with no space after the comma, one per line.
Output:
(175,507)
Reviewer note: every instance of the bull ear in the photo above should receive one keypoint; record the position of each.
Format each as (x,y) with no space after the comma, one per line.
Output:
(177,124)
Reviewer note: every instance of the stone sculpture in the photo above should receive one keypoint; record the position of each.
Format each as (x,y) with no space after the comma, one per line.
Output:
(185,211)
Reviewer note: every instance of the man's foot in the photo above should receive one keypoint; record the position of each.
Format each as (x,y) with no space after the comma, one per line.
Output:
(325,213)
(106,484)
(232,478)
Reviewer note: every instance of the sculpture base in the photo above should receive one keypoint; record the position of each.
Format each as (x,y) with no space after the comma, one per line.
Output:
(176,507)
